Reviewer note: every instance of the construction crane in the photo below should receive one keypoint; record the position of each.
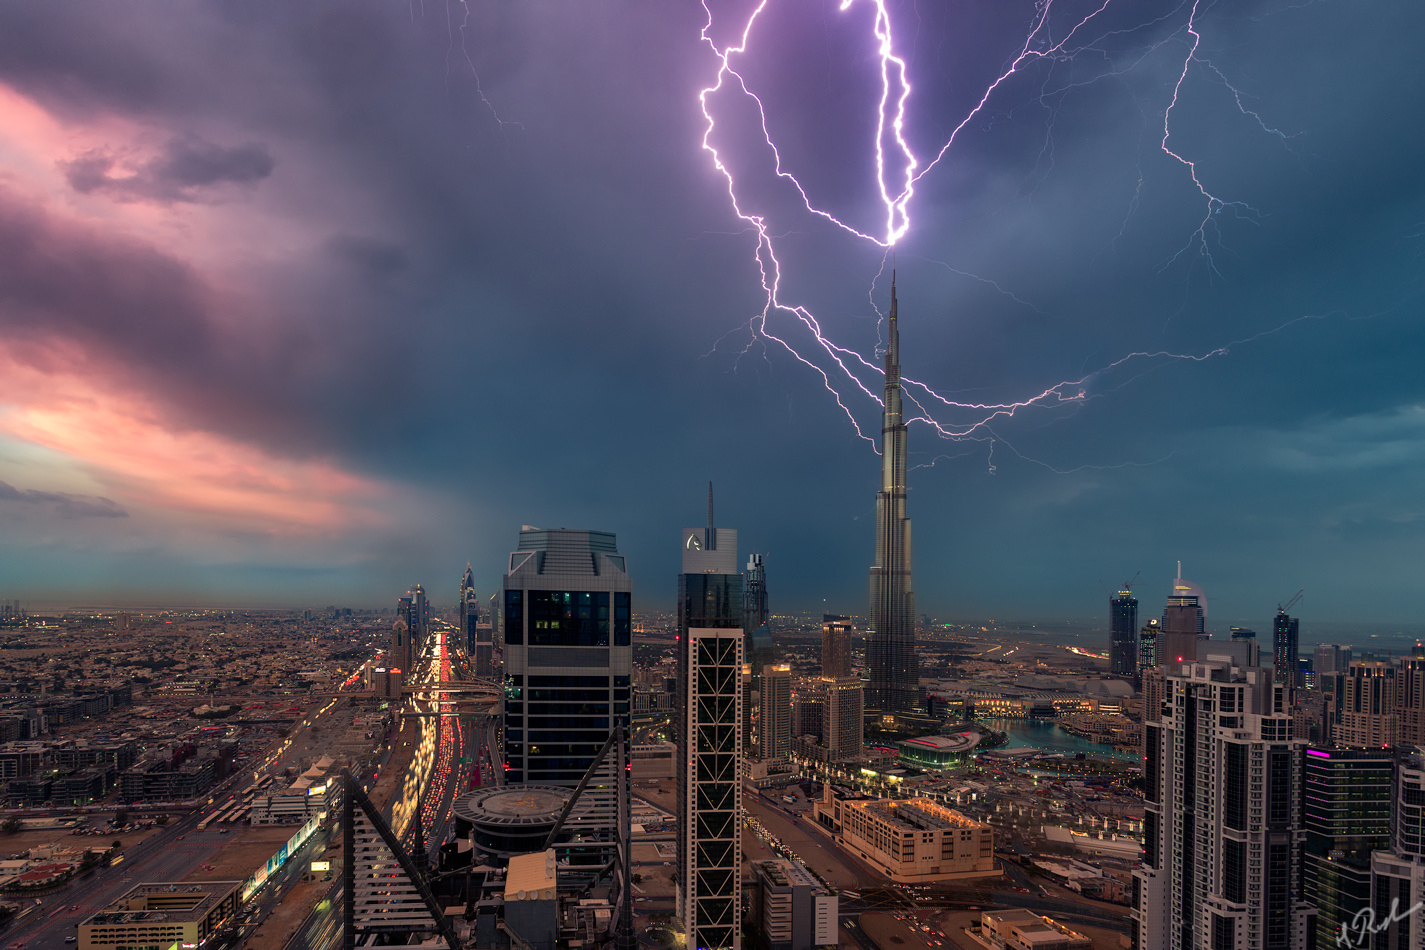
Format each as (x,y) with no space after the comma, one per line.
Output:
(1283,608)
(1129,585)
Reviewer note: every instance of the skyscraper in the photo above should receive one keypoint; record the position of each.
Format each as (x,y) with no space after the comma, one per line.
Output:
(1285,648)
(758,650)
(1148,644)
(709,803)
(890,649)
(835,646)
(775,719)
(1398,875)
(568,662)
(417,617)
(398,658)
(843,727)
(1184,622)
(1222,828)
(1346,813)
(1123,645)
(469,605)
(1366,716)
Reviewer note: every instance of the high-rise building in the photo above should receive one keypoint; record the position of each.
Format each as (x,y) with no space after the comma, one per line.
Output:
(1346,813)
(1285,649)
(1123,643)
(469,605)
(568,664)
(758,651)
(709,775)
(417,617)
(1184,622)
(399,656)
(809,711)
(1410,698)
(843,727)
(1398,874)
(1327,659)
(1222,829)
(835,646)
(1148,644)
(891,661)
(775,719)
(1367,715)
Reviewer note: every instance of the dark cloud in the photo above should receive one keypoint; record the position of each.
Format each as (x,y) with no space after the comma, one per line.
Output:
(66,504)
(188,169)
(540,317)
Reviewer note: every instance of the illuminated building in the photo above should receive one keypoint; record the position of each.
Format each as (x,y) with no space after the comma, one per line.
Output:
(891,662)
(1148,644)
(910,840)
(1410,698)
(1346,813)
(775,719)
(1285,647)
(1366,717)
(1222,836)
(758,650)
(709,803)
(843,726)
(1184,622)
(398,658)
(1398,874)
(1123,644)
(176,914)
(568,661)
(835,646)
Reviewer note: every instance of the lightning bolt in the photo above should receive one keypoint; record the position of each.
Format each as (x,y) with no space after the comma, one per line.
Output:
(898,169)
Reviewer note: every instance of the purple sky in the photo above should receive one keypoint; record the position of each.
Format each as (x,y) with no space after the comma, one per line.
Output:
(307,302)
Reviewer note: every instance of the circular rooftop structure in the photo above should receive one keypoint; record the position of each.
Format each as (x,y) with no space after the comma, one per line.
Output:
(513,806)
(515,819)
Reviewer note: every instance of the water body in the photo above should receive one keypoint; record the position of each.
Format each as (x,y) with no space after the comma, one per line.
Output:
(1051,738)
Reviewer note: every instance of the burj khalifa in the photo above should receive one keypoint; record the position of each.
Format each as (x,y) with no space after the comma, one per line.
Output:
(890,650)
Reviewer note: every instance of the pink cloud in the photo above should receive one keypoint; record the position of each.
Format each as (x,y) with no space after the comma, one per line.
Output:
(143,461)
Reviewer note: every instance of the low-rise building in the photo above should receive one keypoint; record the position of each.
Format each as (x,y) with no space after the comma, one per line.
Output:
(1025,930)
(796,911)
(911,840)
(162,915)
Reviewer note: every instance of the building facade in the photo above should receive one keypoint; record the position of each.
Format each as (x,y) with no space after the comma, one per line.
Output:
(835,646)
(1222,828)
(795,911)
(1123,640)
(1285,647)
(774,721)
(1366,717)
(911,841)
(568,664)
(891,661)
(710,697)
(1346,814)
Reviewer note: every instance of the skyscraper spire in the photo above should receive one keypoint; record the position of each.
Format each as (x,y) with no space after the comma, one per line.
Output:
(890,650)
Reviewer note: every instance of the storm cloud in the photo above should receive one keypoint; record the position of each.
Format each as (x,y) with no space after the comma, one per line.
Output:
(187,169)
(392,284)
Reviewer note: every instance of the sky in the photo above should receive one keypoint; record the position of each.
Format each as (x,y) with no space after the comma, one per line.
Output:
(305,303)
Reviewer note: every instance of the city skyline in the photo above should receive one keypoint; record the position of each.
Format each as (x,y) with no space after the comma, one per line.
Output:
(278,282)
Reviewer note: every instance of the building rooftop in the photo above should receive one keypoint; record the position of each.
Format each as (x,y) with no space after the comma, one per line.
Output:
(531,877)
